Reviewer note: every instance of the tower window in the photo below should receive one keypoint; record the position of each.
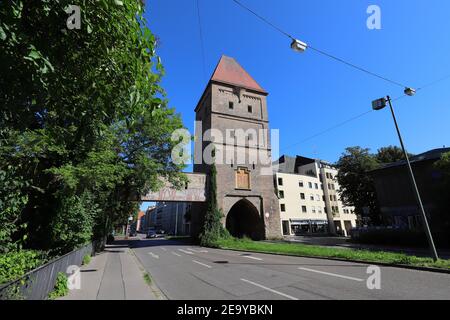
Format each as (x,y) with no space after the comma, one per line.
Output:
(231,105)
(250,109)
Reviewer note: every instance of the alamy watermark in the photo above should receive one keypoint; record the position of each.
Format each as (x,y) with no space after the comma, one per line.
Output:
(374,20)
(233,147)
(74,20)
(74,277)
(374,280)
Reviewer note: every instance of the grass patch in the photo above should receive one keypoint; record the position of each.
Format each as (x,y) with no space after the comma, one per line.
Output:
(86,259)
(323,252)
(147,278)
(61,288)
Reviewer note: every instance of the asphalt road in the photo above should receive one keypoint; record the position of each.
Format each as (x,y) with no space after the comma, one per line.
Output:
(183,271)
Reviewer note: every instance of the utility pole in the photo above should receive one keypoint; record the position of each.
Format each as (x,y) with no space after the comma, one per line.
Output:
(413,181)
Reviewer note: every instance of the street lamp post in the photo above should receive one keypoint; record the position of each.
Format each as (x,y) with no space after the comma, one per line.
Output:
(378,105)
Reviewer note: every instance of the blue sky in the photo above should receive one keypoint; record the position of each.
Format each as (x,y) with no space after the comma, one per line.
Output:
(309,93)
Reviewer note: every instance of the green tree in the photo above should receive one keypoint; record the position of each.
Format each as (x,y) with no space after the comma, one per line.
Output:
(212,229)
(88,125)
(390,154)
(357,186)
(12,202)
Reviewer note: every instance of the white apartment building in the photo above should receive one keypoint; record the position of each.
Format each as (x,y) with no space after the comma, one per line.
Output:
(172,217)
(308,190)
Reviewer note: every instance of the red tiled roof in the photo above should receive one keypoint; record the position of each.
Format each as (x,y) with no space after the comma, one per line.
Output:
(230,72)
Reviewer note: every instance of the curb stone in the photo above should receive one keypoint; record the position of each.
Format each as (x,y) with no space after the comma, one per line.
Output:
(155,290)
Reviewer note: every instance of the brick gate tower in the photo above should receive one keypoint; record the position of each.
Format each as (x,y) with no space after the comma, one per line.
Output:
(232,126)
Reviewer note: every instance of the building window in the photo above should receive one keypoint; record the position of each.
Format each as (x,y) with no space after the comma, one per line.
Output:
(311,197)
(302,196)
(250,109)
(313,209)
(283,207)
(281,193)
(230,105)
(280,181)
(310,185)
(316,185)
(300,184)
(304,209)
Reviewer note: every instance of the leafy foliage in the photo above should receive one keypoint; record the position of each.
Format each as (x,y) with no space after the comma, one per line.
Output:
(390,154)
(12,202)
(213,230)
(14,264)
(61,287)
(357,186)
(85,123)
(86,259)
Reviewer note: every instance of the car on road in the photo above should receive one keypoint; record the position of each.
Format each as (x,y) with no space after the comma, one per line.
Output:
(151,234)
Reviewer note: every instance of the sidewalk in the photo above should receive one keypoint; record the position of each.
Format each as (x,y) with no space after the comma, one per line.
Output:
(114,274)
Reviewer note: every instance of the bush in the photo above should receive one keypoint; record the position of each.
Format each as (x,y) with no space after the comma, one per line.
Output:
(61,288)
(15,264)
(213,230)
(12,202)
(86,259)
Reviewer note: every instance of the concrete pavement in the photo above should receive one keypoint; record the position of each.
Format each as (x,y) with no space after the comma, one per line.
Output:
(114,274)
(183,271)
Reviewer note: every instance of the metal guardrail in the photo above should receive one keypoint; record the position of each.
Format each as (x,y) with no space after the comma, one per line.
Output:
(38,283)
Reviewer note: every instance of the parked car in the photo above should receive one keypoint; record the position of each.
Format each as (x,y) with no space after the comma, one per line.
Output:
(151,234)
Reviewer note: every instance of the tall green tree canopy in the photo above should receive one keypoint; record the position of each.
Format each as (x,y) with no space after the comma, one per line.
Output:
(390,154)
(357,186)
(84,122)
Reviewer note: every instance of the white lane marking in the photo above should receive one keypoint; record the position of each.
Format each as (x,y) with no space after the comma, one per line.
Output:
(198,262)
(332,274)
(184,251)
(164,249)
(271,290)
(199,251)
(153,255)
(254,258)
(178,255)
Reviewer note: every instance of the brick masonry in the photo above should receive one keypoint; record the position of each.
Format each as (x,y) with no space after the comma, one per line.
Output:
(249,112)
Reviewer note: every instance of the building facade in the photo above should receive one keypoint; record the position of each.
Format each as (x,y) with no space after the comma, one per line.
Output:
(172,217)
(395,194)
(232,128)
(309,199)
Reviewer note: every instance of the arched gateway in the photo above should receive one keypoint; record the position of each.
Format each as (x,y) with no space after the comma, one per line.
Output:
(243,220)
(234,105)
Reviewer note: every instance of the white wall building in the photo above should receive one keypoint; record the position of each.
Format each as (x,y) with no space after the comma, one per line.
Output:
(309,200)
(172,217)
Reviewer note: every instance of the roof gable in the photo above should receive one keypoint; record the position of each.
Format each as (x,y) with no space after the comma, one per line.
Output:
(229,71)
